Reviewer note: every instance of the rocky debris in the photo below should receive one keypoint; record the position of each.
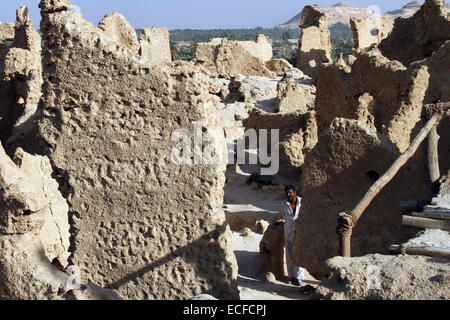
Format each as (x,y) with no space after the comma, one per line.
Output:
(273,258)
(112,147)
(269,277)
(281,67)
(260,48)
(116,27)
(314,46)
(220,87)
(23,67)
(348,159)
(298,134)
(293,96)
(378,277)
(432,238)
(155,45)
(227,58)
(252,89)
(241,217)
(34,228)
(94,292)
(397,93)
(420,35)
(370,31)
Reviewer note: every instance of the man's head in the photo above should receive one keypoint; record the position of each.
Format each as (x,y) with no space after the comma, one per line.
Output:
(291,192)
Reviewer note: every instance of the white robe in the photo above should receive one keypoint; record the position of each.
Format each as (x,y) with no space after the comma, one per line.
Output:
(289,233)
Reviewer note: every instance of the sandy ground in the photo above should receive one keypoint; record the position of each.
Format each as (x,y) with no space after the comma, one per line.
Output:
(251,287)
(254,202)
(244,200)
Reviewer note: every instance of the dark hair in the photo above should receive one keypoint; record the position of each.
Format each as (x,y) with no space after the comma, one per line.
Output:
(290,187)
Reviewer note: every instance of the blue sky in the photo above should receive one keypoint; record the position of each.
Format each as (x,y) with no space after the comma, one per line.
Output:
(193,14)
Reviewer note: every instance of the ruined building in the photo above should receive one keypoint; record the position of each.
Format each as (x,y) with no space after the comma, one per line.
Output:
(93,191)
(371,30)
(227,57)
(139,223)
(314,46)
(367,115)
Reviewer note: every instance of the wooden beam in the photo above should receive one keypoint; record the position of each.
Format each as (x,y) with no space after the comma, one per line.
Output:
(424,223)
(433,214)
(421,251)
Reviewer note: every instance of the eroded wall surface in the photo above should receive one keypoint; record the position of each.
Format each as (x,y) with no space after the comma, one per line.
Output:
(370,31)
(141,224)
(416,38)
(314,46)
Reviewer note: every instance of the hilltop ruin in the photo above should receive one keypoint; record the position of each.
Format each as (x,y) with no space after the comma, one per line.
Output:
(96,203)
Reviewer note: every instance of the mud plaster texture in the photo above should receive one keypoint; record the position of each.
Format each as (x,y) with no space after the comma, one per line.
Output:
(140,224)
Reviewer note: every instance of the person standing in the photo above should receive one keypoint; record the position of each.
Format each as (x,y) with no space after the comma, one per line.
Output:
(291,212)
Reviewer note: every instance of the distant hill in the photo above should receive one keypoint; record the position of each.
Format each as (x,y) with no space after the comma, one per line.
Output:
(341,12)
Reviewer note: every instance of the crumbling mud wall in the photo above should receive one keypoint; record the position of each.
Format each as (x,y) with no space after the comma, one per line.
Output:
(281,66)
(298,135)
(117,28)
(370,31)
(367,114)
(141,224)
(380,92)
(260,48)
(314,46)
(227,57)
(155,45)
(293,96)
(23,68)
(416,38)
(34,229)
(347,160)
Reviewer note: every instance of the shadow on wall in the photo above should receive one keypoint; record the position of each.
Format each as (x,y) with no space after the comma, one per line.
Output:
(221,287)
(8,112)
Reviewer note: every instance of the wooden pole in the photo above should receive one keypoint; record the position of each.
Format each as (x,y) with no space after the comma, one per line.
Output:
(393,170)
(421,251)
(347,221)
(425,223)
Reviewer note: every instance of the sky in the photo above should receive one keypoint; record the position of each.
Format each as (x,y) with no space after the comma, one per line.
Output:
(193,14)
